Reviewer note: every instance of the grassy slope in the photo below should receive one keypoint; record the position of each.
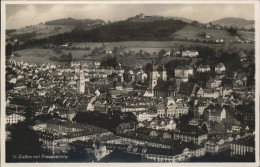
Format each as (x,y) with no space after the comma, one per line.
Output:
(42,30)
(191,32)
(40,56)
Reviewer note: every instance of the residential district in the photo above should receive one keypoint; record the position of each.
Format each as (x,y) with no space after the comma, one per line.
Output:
(107,110)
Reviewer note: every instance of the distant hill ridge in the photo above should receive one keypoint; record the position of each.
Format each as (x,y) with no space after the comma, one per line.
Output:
(235,22)
(75,22)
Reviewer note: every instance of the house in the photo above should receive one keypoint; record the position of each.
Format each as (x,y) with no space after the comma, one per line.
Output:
(148,93)
(161,109)
(213,83)
(182,108)
(215,113)
(141,76)
(207,36)
(203,68)
(190,53)
(142,116)
(130,76)
(219,40)
(118,86)
(14,119)
(109,52)
(220,68)
(183,71)
(227,90)
(166,135)
(231,125)
(201,106)
(210,93)
(214,127)
(215,146)
(154,133)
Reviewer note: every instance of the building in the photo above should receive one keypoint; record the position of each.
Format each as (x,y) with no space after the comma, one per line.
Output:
(188,89)
(192,134)
(14,119)
(141,76)
(190,53)
(217,146)
(142,116)
(213,83)
(210,93)
(216,113)
(164,73)
(154,76)
(220,68)
(203,68)
(183,71)
(165,88)
(243,146)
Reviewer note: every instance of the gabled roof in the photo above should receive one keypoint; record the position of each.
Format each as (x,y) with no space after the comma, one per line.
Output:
(166,85)
(188,88)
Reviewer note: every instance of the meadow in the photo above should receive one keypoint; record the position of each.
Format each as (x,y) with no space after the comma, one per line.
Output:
(191,32)
(37,55)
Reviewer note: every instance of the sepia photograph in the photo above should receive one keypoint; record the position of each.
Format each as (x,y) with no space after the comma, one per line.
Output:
(129,82)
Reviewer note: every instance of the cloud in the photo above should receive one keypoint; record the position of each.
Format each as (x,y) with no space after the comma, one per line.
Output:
(21,15)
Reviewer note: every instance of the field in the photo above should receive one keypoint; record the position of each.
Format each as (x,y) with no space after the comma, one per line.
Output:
(191,32)
(148,46)
(37,56)
(247,35)
(42,30)
(42,55)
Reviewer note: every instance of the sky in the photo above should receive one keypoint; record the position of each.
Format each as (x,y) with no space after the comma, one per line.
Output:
(20,15)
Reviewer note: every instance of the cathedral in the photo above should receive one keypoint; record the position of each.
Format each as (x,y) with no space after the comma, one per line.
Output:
(156,77)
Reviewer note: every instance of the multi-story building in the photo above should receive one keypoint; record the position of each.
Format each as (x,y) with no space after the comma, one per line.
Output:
(14,119)
(243,146)
(190,53)
(183,71)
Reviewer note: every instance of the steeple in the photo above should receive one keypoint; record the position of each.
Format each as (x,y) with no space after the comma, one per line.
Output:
(153,68)
(164,73)
(163,66)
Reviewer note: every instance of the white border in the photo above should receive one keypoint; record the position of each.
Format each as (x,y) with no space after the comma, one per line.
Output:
(257,58)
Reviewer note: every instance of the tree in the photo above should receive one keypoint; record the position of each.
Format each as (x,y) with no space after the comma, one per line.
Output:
(77,152)
(24,141)
(69,57)
(232,30)
(8,50)
(161,53)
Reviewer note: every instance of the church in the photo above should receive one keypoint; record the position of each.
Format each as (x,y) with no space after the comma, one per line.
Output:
(159,86)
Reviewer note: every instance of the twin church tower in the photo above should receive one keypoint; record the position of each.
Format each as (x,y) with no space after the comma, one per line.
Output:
(155,76)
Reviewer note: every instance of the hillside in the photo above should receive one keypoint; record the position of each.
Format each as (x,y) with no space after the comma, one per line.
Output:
(122,31)
(51,28)
(76,22)
(191,32)
(157,18)
(235,22)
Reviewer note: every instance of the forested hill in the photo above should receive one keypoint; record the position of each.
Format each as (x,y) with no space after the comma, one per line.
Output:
(75,22)
(121,31)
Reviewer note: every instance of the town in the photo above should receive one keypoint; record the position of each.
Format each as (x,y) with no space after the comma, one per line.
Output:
(162,112)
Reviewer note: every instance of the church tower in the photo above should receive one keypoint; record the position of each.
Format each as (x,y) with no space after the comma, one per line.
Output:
(153,78)
(164,73)
(81,81)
